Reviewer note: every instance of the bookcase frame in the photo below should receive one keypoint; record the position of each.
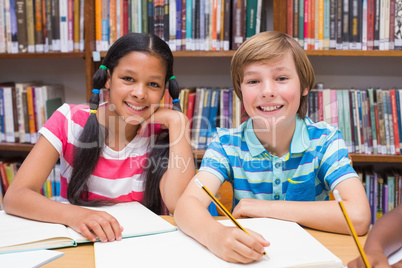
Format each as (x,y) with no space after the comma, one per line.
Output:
(279,24)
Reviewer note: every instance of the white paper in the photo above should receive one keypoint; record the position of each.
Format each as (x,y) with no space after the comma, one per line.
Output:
(395,257)
(28,259)
(291,246)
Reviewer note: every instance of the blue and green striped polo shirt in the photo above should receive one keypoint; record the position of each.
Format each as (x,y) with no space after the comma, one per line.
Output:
(316,162)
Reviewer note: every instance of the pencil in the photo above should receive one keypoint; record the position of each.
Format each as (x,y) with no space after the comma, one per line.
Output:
(351,229)
(223,209)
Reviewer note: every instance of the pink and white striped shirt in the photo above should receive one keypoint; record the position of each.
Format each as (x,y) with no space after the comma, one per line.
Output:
(118,176)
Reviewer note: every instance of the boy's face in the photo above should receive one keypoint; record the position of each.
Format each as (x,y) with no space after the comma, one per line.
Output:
(271,93)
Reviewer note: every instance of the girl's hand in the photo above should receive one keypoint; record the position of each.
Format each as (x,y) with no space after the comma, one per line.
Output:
(375,259)
(167,118)
(250,208)
(96,224)
(234,245)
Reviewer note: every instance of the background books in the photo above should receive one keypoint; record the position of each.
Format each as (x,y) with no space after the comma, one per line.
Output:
(41,26)
(184,25)
(346,24)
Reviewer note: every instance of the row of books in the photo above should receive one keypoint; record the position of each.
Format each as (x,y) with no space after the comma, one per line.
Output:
(370,119)
(9,168)
(25,107)
(346,24)
(384,191)
(183,24)
(208,108)
(41,26)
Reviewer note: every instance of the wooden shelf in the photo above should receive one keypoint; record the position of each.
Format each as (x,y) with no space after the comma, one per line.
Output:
(42,55)
(195,54)
(376,158)
(348,53)
(21,147)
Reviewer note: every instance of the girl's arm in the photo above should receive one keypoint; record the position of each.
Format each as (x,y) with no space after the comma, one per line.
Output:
(384,238)
(181,162)
(229,243)
(321,215)
(23,198)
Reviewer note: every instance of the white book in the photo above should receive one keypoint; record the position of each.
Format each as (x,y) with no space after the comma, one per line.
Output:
(2,29)
(8,114)
(63,7)
(19,234)
(25,259)
(290,246)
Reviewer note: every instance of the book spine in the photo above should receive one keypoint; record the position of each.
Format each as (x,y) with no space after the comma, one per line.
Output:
(301,23)
(21,27)
(345,22)
(172,25)
(373,120)
(226,34)
(395,121)
(398,26)
(370,24)
(398,97)
(295,20)
(377,25)
(8,114)
(364,26)
(98,25)
(238,19)
(13,26)
(320,25)
(392,25)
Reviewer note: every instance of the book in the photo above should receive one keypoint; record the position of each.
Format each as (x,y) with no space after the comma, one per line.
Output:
(291,246)
(35,258)
(19,234)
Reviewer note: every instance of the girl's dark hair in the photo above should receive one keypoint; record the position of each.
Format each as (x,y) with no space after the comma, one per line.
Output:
(92,138)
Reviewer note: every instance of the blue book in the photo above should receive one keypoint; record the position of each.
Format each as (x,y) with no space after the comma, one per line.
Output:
(213,113)
(189,22)
(178,24)
(2,130)
(205,124)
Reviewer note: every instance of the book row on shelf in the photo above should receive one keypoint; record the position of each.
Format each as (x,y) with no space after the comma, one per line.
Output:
(346,24)
(369,119)
(25,107)
(9,168)
(384,190)
(184,25)
(41,26)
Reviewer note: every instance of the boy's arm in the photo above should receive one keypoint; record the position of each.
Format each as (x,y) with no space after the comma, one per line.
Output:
(321,215)
(193,218)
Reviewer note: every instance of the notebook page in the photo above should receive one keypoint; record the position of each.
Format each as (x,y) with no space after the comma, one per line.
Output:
(291,246)
(27,259)
(135,218)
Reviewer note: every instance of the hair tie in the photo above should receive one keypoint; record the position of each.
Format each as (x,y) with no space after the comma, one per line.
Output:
(96,91)
(103,67)
(175,100)
(172,77)
(93,111)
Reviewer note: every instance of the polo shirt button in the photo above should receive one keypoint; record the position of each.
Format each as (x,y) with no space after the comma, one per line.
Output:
(276,197)
(278,165)
(277,181)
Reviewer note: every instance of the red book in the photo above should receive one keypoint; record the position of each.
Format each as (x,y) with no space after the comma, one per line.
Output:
(395,121)
(306,28)
(289,23)
(320,106)
(190,108)
(125,17)
(3,177)
(370,24)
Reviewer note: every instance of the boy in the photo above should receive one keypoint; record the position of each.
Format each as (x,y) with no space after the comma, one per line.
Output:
(274,156)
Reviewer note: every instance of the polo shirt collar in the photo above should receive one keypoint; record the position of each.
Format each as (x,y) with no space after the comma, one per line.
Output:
(300,141)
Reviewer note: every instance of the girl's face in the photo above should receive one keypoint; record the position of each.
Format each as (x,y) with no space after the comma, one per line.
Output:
(136,87)
(271,93)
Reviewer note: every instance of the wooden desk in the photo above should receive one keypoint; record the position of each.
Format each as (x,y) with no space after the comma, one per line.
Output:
(342,246)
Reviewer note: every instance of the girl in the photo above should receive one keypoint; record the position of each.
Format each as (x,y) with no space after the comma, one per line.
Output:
(116,152)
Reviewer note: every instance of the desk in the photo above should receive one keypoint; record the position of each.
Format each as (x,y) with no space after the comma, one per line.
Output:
(342,246)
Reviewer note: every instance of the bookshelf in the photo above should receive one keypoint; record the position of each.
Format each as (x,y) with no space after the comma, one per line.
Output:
(279,22)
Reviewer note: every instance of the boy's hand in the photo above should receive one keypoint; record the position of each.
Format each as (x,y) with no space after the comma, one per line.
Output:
(234,245)
(96,224)
(375,259)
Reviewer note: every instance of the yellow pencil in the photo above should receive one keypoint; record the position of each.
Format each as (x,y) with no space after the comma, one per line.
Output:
(351,229)
(223,209)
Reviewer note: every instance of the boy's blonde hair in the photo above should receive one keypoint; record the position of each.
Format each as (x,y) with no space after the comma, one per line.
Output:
(267,46)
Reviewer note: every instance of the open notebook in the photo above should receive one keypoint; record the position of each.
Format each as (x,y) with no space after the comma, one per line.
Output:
(291,246)
(22,234)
